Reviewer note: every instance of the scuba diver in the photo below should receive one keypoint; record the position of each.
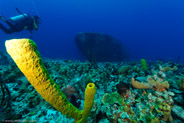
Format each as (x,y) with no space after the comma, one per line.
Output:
(20,22)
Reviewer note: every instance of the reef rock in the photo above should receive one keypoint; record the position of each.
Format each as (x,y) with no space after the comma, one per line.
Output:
(178,112)
(3,58)
(99,47)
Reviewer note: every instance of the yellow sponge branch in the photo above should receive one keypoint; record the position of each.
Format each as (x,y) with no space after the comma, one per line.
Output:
(24,53)
(89,99)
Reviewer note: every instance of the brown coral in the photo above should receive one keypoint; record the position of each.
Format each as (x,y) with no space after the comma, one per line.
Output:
(139,85)
(159,86)
(152,84)
(167,68)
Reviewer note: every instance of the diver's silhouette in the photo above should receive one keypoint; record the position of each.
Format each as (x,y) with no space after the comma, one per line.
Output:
(19,23)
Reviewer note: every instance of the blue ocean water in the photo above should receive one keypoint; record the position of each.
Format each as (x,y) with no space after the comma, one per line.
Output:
(150,29)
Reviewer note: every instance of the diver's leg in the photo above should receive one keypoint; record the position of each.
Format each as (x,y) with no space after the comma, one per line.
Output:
(8,31)
(2,18)
(10,24)
(6,21)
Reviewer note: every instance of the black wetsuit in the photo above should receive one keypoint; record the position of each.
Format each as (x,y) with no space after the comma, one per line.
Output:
(27,23)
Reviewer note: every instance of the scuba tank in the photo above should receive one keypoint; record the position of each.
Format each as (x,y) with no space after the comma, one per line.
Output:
(19,18)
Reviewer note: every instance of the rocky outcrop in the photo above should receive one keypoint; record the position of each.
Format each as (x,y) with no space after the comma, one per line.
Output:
(99,47)
(3,58)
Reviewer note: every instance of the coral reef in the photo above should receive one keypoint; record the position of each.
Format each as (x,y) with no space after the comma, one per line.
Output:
(116,99)
(27,58)
(180,83)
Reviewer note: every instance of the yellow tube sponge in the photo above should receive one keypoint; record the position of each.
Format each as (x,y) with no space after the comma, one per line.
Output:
(89,99)
(24,53)
(144,66)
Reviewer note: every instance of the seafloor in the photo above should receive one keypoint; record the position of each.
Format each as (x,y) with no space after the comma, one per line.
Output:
(127,92)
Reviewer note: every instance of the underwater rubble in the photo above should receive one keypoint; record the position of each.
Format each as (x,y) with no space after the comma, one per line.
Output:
(126,92)
(4,58)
